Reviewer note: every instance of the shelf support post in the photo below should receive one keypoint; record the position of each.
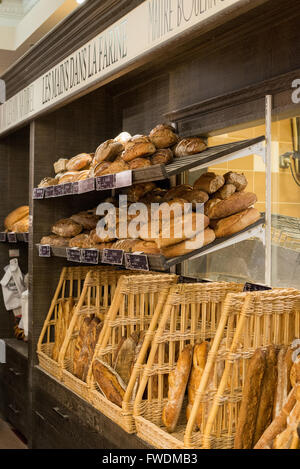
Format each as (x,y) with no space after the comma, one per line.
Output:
(268,165)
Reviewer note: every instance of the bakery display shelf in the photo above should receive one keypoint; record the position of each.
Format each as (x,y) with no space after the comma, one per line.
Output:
(18,345)
(213,155)
(158,262)
(12,238)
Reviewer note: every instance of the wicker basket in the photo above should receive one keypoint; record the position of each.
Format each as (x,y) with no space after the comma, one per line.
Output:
(191,315)
(267,318)
(138,306)
(68,289)
(96,297)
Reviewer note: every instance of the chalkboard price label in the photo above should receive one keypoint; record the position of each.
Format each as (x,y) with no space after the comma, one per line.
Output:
(3,237)
(105,183)
(90,256)
(45,250)
(67,188)
(49,192)
(112,256)
(74,255)
(12,237)
(38,193)
(58,191)
(26,237)
(136,262)
(87,185)
(255,287)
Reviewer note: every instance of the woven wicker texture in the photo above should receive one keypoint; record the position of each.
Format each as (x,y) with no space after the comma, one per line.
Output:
(191,315)
(261,319)
(138,304)
(67,294)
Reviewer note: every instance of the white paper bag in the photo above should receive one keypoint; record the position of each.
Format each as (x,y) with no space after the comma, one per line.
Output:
(13,286)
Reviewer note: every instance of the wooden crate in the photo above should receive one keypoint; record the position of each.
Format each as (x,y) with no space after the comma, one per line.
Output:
(96,297)
(191,315)
(138,305)
(69,290)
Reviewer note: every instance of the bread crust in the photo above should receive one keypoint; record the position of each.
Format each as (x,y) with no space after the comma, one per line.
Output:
(15,216)
(55,240)
(199,362)
(250,401)
(46,182)
(163,156)
(87,219)
(138,163)
(177,192)
(138,146)
(109,382)
(209,182)
(181,248)
(67,228)
(238,180)
(163,136)
(178,379)
(79,162)
(235,223)
(189,146)
(108,151)
(236,203)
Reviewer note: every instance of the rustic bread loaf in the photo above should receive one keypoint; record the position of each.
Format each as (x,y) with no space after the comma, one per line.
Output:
(79,162)
(234,204)
(69,176)
(83,330)
(266,403)
(284,365)
(178,379)
(195,196)
(250,401)
(123,138)
(235,223)
(81,175)
(209,182)
(225,192)
(238,180)
(138,163)
(190,146)
(147,247)
(22,226)
(67,228)
(125,357)
(82,241)
(199,362)
(163,156)
(138,146)
(137,191)
(94,330)
(108,151)
(181,249)
(177,192)
(55,240)
(113,168)
(15,216)
(46,182)
(97,240)
(60,165)
(181,229)
(87,219)
(99,168)
(163,136)
(109,382)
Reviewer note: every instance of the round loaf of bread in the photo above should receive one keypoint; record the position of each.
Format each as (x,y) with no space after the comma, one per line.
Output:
(138,146)
(115,167)
(99,168)
(108,151)
(54,240)
(190,146)
(97,240)
(87,219)
(163,156)
(209,182)
(46,182)
(163,136)
(139,163)
(70,176)
(123,138)
(225,192)
(60,165)
(235,223)
(82,241)
(67,228)
(199,241)
(82,175)
(177,191)
(137,191)
(79,162)
(238,180)
(22,226)
(195,197)
(239,201)
(16,216)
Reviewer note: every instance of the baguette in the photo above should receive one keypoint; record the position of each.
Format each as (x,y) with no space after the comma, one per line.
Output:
(109,382)
(283,382)
(16,216)
(178,379)
(125,358)
(250,401)
(236,203)
(265,409)
(182,248)
(199,361)
(235,223)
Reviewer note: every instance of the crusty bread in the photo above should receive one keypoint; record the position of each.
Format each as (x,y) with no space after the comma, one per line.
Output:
(181,249)
(225,192)
(69,176)
(87,219)
(67,228)
(82,241)
(199,361)
(16,216)
(209,182)
(236,203)
(284,364)
(46,182)
(250,401)
(266,403)
(55,240)
(82,175)
(138,146)
(235,223)
(113,168)
(22,226)
(181,229)
(79,162)
(60,165)
(147,247)
(83,330)
(99,168)
(138,163)
(108,151)
(178,379)
(163,156)
(163,136)
(238,180)
(190,146)
(137,191)
(110,384)
(125,357)
(177,191)
(195,196)
(123,138)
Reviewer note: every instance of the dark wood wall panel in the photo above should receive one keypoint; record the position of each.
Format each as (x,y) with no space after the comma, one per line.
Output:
(14,158)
